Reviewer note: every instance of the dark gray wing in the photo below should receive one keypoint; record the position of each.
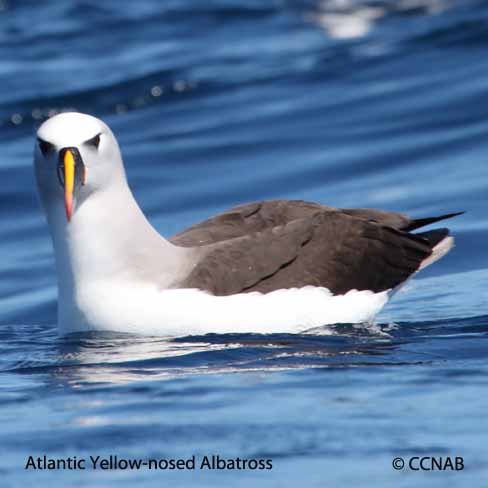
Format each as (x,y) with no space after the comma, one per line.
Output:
(258,216)
(347,253)
(395,219)
(234,265)
(330,249)
(391,219)
(246,219)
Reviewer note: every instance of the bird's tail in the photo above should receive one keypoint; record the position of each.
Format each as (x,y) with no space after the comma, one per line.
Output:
(440,242)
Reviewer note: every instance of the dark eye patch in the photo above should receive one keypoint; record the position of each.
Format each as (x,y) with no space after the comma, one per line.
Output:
(45,147)
(94,141)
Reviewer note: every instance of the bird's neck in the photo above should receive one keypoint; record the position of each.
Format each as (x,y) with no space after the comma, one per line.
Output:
(109,240)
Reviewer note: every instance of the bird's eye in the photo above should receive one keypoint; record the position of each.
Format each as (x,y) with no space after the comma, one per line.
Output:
(94,141)
(45,147)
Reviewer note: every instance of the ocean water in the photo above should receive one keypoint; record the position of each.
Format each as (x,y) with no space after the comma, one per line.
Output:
(346,102)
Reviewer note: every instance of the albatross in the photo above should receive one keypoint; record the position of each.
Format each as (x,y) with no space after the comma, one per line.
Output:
(272,266)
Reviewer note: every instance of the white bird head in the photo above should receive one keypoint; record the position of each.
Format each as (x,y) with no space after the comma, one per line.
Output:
(75,156)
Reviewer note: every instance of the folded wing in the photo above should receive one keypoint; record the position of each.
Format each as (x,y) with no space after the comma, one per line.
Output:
(267,246)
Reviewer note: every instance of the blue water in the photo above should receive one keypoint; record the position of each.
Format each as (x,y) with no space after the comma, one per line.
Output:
(349,103)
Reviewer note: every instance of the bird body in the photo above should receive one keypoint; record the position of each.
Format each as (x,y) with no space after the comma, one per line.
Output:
(275,266)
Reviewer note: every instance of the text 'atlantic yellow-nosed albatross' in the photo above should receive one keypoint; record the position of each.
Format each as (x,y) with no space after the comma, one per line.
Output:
(273,266)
